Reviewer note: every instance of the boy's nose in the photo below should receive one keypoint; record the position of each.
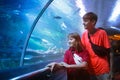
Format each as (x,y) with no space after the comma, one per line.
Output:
(83,23)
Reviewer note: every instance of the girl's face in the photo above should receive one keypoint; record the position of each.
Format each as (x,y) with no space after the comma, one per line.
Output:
(71,42)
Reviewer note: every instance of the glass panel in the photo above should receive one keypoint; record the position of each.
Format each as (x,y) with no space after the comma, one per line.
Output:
(16,18)
(49,38)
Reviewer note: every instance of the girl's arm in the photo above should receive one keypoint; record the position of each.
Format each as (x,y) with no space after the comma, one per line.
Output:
(54,66)
(75,66)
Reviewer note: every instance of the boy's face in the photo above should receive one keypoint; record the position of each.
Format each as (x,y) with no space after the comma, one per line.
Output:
(88,24)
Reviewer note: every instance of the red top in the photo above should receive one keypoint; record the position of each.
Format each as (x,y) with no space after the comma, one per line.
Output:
(97,64)
(76,74)
(68,57)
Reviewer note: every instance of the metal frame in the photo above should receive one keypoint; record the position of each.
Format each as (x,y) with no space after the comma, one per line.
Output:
(31,74)
(31,30)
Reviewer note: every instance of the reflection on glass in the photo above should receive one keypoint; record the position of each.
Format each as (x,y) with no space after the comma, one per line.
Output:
(49,38)
(16,18)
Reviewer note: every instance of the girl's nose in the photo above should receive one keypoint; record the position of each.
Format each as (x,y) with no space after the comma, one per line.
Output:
(68,42)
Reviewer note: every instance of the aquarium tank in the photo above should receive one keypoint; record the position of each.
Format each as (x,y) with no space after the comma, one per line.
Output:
(35,30)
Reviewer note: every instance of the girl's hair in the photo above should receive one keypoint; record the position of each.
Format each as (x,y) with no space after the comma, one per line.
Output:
(76,36)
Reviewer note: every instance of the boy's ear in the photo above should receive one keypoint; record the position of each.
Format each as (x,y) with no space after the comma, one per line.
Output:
(93,22)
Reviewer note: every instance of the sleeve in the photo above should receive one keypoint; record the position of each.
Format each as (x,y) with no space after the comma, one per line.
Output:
(86,57)
(106,41)
(66,57)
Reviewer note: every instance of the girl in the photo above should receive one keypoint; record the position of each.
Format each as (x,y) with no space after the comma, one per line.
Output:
(75,59)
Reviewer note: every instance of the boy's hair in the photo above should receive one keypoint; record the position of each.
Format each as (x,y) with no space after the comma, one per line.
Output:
(91,16)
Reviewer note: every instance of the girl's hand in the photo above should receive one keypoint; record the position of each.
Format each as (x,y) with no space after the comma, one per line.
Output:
(64,64)
(51,65)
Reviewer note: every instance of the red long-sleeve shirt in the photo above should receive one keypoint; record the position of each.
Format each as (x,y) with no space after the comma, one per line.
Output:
(76,74)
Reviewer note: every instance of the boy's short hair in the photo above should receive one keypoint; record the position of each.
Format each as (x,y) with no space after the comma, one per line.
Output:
(91,16)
